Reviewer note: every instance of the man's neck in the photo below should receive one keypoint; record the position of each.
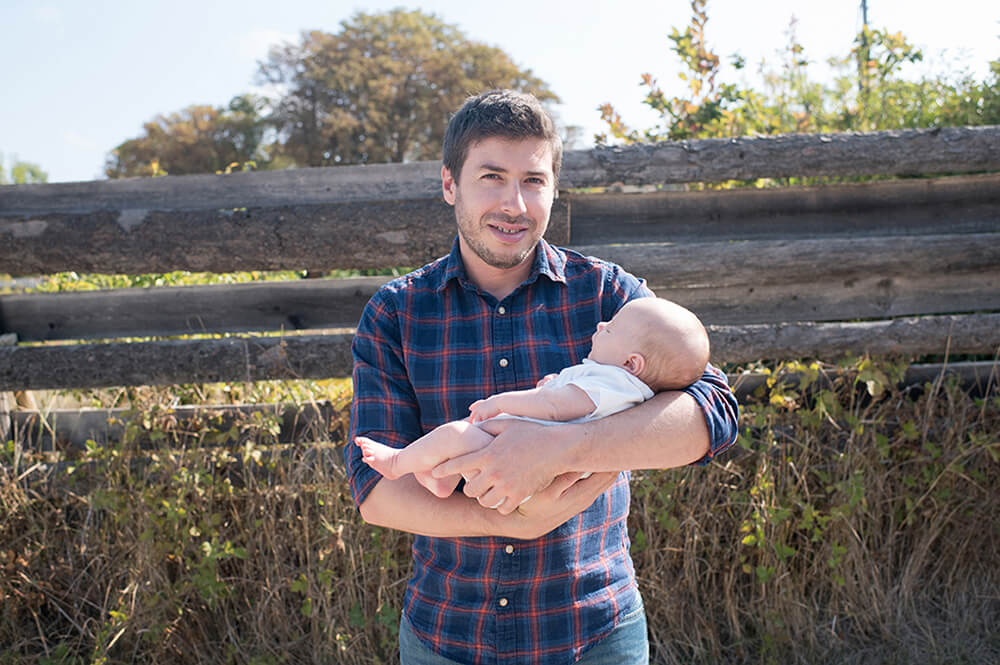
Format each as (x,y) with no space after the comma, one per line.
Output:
(498,282)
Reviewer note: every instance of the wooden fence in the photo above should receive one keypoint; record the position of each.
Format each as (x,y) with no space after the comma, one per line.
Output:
(906,266)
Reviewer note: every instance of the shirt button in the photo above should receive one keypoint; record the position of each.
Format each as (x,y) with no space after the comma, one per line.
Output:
(503,602)
(504,362)
(509,549)
(501,310)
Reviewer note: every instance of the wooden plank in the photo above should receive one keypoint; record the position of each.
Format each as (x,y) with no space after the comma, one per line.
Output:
(959,334)
(372,234)
(256,306)
(375,234)
(755,262)
(185,426)
(871,297)
(758,282)
(904,152)
(916,151)
(176,361)
(966,204)
(321,356)
(259,189)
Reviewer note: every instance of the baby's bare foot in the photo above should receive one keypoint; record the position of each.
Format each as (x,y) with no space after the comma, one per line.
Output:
(379,456)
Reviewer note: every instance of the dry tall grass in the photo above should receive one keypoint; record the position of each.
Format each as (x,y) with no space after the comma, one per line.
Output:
(847,528)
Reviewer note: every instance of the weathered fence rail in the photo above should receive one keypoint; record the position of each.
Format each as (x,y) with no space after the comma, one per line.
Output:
(902,266)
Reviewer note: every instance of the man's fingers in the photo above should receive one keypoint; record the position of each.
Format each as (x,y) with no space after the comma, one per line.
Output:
(492,499)
(462,464)
(596,483)
(495,427)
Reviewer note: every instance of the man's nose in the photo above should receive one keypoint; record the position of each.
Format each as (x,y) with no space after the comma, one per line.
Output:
(513,203)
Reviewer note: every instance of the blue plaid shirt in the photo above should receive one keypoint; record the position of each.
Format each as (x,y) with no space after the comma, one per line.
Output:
(428,345)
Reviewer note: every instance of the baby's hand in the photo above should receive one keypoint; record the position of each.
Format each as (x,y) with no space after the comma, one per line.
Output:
(545,379)
(484,409)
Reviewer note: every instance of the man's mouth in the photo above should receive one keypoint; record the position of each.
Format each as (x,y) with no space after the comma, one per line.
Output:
(501,229)
(508,233)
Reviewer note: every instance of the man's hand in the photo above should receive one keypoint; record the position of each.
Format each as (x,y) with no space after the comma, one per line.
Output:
(522,460)
(566,496)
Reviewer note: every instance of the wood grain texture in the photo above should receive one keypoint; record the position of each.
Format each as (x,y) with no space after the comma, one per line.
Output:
(176,361)
(322,356)
(904,152)
(960,204)
(372,234)
(914,151)
(761,281)
(256,306)
(972,333)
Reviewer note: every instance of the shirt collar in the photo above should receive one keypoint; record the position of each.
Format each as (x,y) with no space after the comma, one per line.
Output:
(549,261)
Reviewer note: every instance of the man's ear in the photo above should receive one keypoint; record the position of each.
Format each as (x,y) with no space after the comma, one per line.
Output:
(635,363)
(448,185)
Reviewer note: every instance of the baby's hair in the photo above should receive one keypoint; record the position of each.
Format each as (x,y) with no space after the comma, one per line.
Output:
(674,343)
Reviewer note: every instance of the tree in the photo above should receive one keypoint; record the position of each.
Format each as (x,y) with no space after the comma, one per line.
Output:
(708,109)
(869,94)
(198,139)
(381,89)
(22,173)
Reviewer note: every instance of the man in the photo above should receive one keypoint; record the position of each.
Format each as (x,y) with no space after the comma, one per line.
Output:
(551,582)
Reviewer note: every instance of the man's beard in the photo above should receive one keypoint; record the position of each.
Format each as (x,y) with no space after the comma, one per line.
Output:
(472,233)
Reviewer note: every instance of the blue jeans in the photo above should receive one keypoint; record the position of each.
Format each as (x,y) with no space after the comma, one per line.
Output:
(628,644)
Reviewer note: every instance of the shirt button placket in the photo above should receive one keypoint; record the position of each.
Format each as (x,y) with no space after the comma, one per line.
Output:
(507,623)
(503,343)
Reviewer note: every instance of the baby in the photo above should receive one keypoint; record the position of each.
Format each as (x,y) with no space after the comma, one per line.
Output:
(650,345)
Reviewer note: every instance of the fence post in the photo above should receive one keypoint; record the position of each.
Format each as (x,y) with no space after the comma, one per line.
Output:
(7,400)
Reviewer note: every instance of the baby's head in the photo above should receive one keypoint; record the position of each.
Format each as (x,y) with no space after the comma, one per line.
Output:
(660,342)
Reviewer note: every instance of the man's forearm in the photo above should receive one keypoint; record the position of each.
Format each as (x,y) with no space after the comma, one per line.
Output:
(666,431)
(403,504)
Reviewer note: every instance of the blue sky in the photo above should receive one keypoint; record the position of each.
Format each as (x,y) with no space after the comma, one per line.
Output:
(79,78)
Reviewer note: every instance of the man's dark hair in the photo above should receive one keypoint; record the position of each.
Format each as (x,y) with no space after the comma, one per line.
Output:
(505,114)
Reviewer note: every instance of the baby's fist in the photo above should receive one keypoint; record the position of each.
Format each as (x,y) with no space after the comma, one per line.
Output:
(484,409)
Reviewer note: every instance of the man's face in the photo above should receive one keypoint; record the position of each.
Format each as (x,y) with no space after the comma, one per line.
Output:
(502,200)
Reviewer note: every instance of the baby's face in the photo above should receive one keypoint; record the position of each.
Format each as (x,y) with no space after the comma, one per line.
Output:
(616,339)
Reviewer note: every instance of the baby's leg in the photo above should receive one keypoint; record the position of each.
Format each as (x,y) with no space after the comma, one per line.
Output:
(440,444)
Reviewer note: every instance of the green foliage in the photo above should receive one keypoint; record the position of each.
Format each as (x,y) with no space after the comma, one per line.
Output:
(72,281)
(829,524)
(870,92)
(852,515)
(22,173)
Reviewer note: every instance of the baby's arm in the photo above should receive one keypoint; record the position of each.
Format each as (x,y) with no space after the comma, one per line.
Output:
(440,444)
(557,404)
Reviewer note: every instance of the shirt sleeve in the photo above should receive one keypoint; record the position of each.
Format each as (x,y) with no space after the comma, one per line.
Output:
(721,410)
(384,407)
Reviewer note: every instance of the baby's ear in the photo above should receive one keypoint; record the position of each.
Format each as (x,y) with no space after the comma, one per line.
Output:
(635,363)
